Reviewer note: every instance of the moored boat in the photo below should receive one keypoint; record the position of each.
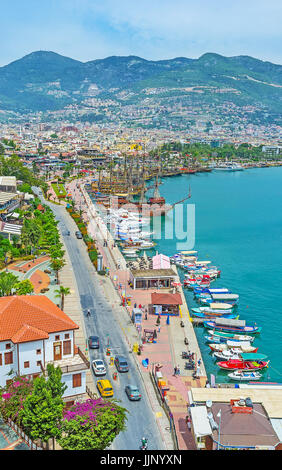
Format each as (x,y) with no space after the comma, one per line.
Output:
(241,375)
(242,346)
(247,361)
(232,326)
(230,336)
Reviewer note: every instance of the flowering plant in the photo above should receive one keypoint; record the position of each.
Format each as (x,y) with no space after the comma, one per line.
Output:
(92,424)
(13,396)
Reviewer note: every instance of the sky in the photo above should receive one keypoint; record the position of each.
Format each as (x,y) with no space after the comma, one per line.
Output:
(152,29)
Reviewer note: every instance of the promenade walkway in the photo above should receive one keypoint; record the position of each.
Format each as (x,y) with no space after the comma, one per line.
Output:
(170,339)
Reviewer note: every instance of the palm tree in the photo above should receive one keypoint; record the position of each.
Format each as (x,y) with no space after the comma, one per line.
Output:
(62,292)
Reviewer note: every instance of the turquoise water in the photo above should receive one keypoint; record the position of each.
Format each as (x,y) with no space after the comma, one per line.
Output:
(239,228)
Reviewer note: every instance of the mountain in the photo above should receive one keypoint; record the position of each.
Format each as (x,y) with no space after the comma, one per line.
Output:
(45,80)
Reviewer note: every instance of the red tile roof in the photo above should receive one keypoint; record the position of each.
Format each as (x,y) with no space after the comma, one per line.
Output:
(31,317)
(166,299)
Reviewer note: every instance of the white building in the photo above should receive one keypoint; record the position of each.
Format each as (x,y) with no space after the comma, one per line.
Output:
(35,332)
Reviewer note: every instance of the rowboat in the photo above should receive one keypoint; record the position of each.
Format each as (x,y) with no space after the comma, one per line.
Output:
(247,361)
(230,336)
(240,375)
(232,326)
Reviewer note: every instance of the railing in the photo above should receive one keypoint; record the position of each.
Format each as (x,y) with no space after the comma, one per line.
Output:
(85,360)
(24,436)
(167,411)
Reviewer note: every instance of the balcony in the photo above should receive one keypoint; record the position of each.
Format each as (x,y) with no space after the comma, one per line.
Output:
(75,363)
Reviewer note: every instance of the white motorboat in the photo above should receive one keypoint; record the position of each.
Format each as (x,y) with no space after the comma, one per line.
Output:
(244,376)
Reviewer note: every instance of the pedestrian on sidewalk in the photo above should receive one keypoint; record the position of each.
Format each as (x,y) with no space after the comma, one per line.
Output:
(175,371)
(146,315)
(188,422)
(178,370)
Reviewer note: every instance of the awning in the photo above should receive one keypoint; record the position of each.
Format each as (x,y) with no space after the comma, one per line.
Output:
(200,420)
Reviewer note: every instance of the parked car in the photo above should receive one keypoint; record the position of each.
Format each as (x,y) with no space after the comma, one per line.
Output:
(105,388)
(121,364)
(78,234)
(99,367)
(133,392)
(93,342)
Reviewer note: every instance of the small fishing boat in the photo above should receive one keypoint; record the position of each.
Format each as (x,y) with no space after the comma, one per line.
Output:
(232,326)
(231,336)
(242,346)
(212,316)
(219,306)
(240,375)
(210,311)
(247,362)
(226,355)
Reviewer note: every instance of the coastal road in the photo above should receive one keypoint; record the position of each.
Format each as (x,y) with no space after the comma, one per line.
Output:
(102,322)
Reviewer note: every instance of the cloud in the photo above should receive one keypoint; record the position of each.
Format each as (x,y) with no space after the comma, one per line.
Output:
(153,29)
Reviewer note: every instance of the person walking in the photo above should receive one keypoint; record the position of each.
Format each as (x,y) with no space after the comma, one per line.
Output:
(188,422)
(175,371)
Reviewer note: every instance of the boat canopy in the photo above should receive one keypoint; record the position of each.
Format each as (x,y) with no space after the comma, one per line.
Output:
(202,262)
(227,322)
(218,290)
(224,296)
(192,252)
(253,357)
(220,306)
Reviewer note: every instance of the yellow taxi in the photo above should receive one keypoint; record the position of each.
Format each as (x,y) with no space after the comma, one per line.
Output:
(105,388)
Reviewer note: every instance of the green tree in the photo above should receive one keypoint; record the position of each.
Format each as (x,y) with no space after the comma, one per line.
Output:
(57,265)
(62,292)
(42,413)
(8,282)
(24,287)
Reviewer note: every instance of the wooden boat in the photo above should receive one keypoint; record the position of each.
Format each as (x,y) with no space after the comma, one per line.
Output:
(247,362)
(212,316)
(213,313)
(232,326)
(243,346)
(219,306)
(246,376)
(230,336)
(226,355)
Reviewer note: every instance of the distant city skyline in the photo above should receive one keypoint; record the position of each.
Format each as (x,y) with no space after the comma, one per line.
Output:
(155,30)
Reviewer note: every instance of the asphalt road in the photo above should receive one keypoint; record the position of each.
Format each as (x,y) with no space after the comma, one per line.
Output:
(141,420)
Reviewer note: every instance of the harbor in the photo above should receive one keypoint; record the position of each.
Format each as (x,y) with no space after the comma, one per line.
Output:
(130,253)
(164,348)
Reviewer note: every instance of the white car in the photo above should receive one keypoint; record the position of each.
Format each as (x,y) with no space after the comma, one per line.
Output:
(99,367)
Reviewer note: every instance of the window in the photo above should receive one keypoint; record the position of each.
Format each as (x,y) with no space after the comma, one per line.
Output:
(57,337)
(76,380)
(8,346)
(67,335)
(8,357)
(38,351)
(66,347)
(38,363)
(26,364)
(0,359)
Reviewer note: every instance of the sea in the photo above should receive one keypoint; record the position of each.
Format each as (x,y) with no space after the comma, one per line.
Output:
(238,226)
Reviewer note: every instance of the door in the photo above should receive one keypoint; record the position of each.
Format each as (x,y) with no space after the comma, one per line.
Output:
(57,351)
